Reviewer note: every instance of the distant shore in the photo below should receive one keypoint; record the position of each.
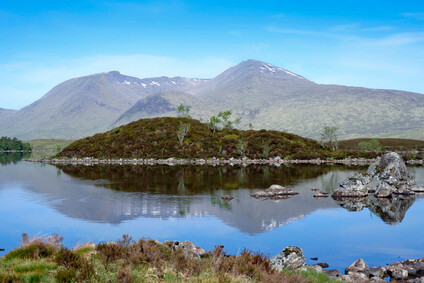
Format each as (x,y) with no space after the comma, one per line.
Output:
(212,161)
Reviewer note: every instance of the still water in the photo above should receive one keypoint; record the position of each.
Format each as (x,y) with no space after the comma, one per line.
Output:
(101,203)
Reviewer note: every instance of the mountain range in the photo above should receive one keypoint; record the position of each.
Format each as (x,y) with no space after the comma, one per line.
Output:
(259,93)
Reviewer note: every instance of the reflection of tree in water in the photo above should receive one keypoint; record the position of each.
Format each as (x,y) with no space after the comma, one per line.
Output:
(190,180)
(390,210)
(13,157)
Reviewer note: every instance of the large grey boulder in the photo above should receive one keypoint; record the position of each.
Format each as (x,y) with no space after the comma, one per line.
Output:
(392,170)
(290,257)
(355,186)
(387,176)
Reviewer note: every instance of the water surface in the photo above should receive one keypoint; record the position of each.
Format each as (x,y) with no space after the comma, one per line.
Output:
(101,203)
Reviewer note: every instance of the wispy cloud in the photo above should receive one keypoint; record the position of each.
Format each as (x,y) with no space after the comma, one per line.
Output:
(397,39)
(416,16)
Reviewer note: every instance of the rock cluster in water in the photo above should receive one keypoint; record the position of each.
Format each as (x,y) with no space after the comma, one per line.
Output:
(387,177)
(274,192)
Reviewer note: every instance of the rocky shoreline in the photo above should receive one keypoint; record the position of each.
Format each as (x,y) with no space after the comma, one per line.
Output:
(277,161)
(411,270)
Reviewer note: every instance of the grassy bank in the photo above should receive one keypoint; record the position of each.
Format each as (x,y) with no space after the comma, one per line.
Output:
(49,144)
(47,260)
(386,144)
(158,138)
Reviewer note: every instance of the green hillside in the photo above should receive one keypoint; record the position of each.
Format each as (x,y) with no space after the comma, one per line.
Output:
(157,138)
(386,144)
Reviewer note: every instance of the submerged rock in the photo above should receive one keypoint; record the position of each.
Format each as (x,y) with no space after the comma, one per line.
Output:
(290,257)
(319,195)
(274,192)
(227,197)
(418,188)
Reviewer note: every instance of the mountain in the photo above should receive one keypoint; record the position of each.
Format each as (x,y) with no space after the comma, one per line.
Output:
(82,106)
(267,96)
(274,98)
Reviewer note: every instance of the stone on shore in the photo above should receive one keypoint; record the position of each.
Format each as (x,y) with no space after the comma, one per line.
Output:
(358,266)
(189,249)
(290,257)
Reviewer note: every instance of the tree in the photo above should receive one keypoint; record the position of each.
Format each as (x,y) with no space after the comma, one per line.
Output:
(182,111)
(222,121)
(329,135)
(182,131)
(371,145)
(213,124)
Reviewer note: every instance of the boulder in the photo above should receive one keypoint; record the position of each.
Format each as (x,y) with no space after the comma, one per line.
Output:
(189,249)
(384,190)
(323,264)
(392,170)
(379,272)
(358,266)
(414,267)
(388,175)
(275,191)
(355,186)
(290,257)
(397,271)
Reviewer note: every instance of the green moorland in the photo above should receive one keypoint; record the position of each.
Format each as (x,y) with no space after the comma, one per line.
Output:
(158,138)
(49,144)
(385,143)
(47,260)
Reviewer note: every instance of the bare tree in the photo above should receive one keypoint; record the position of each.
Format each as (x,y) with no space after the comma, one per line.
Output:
(182,131)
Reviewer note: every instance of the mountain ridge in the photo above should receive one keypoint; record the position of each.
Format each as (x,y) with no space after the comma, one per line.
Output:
(258,93)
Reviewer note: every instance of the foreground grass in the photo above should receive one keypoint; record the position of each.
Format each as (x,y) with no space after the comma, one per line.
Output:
(47,260)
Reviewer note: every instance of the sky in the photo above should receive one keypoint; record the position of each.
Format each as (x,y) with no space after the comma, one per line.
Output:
(376,44)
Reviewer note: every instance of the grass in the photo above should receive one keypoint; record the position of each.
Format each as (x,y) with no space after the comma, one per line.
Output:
(386,144)
(141,261)
(49,144)
(157,138)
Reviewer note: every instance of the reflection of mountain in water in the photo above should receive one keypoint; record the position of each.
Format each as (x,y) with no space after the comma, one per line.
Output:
(390,210)
(113,194)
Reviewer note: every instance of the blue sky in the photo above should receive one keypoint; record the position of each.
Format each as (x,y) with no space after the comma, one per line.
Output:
(377,44)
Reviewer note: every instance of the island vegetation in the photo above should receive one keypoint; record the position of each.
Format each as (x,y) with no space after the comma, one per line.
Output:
(183,137)
(13,144)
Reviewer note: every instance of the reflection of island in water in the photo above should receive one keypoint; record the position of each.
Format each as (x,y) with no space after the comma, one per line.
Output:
(390,210)
(113,194)
(12,157)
